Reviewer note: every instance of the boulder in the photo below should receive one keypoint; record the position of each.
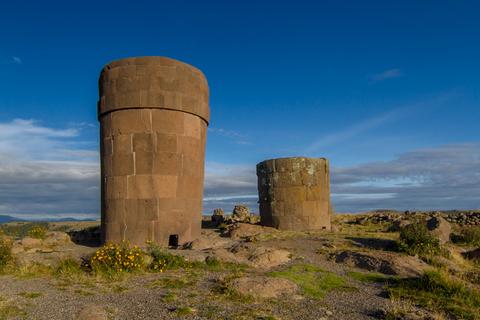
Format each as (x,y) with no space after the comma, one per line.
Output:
(218,217)
(241,213)
(29,242)
(440,228)
(383,262)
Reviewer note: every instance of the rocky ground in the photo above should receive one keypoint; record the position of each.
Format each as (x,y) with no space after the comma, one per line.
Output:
(257,273)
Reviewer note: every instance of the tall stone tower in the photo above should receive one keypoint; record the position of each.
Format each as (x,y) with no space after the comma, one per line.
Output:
(294,193)
(153,114)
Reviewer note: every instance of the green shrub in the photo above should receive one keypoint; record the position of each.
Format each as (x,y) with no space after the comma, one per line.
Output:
(415,239)
(6,256)
(67,267)
(38,232)
(439,291)
(162,260)
(117,258)
(20,230)
(314,282)
(469,236)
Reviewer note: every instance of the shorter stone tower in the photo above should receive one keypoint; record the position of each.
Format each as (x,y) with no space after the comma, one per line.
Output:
(294,193)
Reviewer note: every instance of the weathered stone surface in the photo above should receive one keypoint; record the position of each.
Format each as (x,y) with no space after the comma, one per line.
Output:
(294,193)
(240,213)
(153,114)
(218,216)
(440,228)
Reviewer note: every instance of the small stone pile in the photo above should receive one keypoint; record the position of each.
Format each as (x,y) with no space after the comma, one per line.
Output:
(462,218)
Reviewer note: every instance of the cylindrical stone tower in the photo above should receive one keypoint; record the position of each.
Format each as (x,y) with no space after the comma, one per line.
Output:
(294,193)
(153,114)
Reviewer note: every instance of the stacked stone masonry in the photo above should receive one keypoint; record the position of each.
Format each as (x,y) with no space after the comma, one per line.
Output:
(153,114)
(294,193)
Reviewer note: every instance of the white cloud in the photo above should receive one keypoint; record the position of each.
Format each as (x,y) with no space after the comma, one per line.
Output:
(45,171)
(385,75)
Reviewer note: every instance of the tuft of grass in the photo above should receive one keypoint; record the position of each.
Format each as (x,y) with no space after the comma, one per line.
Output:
(9,310)
(369,277)
(437,290)
(184,311)
(314,281)
(68,268)
(162,260)
(172,283)
(6,257)
(30,295)
(169,297)
(469,236)
(33,270)
(415,239)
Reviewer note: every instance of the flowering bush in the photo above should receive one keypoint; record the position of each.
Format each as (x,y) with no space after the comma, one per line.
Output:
(118,258)
(38,232)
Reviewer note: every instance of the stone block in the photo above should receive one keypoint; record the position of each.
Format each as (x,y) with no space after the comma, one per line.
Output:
(144,142)
(123,164)
(151,186)
(168,121)
(122,144)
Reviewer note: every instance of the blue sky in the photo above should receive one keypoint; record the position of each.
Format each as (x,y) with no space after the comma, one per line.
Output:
(388,91)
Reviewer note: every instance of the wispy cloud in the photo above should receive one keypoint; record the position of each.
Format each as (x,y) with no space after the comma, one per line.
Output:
(355,129)
(17,60)
(369,124)
(385,75)
(235,136)
(10,60)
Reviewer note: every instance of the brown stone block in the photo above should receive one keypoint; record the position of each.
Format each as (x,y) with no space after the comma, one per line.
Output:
(107,147)
(188,146)
(113,232)
(313,193)
(189,187)
(106,125)
(122,144)
(168,121)
(107,166)
(166,163)
(151,186)
(173,100)
(144,162)
(192,166)
(144,142)
(128,71)
(131,121)
(116,210)
(278,207)
(155,99)
(123,164)
(310,208)
(192,126)
(166,142)
(116,187)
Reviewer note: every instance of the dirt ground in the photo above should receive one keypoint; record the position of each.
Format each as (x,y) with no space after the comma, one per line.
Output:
(252,252)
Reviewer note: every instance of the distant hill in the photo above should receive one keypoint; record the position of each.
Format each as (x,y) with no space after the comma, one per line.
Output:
(5,219)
